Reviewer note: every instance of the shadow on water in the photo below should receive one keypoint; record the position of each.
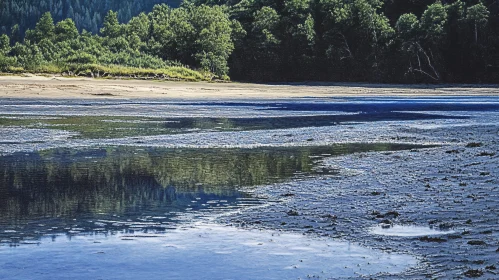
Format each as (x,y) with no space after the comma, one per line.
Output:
(305,121)
(74,191)
(372,105)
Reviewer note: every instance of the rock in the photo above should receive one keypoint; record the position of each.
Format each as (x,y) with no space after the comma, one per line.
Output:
(293,213)
(386,221)
(329,216)
(445,226)
(394,214)
(474,145)
(473,273)
(485,154)
(476,242)
(432,239)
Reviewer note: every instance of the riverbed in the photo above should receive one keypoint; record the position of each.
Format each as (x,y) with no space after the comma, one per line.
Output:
(284,188)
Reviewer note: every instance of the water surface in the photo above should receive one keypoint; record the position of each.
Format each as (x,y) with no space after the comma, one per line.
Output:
(120,189)
(203,251)
(132,188)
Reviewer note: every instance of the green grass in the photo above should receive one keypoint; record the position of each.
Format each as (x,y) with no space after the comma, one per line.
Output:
(117,71)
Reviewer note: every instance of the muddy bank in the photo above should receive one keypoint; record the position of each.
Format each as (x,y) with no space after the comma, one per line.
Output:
(31,86)
(122,165)
(451,189)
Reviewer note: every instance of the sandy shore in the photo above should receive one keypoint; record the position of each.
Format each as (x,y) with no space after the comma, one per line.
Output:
(31,86)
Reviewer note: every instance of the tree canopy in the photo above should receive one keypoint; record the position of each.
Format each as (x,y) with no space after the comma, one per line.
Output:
(261,40)
(87,14)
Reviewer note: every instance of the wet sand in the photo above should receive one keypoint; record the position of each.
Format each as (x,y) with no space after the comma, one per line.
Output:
(31,86)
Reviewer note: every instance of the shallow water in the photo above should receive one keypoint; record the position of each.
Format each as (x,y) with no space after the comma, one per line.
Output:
(408,231)
(98,127)
(130,189)
(199,252)
(128,213)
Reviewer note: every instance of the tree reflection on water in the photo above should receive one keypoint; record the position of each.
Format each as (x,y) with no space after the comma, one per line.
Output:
(128,188)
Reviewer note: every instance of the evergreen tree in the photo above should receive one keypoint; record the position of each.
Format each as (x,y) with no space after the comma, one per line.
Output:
(66,30)
(4,44)
(112,27)
(45,28)
(261,40)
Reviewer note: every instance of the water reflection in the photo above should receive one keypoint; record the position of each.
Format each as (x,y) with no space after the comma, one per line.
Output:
(201,251)
(97,127)
(101,189)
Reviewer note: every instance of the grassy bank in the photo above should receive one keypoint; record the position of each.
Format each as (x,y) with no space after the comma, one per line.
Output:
(176,73)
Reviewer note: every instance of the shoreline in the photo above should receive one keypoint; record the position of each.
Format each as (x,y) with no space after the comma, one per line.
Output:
(57,87)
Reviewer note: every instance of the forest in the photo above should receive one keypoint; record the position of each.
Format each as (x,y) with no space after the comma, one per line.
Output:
(386,41)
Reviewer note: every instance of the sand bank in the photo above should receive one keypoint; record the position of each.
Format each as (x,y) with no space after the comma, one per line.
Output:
(32,86)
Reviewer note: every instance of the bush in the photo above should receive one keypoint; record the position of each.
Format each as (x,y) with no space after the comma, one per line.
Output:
(82,58)
(97,70)
(6,62)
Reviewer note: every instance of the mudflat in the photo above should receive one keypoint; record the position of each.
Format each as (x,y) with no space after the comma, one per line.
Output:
(386,183)
(33,86)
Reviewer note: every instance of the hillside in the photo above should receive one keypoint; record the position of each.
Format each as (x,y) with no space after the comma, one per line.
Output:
(406,41)
(87,14)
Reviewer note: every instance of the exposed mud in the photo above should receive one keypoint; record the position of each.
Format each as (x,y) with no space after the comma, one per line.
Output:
(450,189)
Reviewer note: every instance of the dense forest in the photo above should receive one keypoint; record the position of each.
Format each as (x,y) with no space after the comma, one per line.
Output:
(409,41)
(87,14)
